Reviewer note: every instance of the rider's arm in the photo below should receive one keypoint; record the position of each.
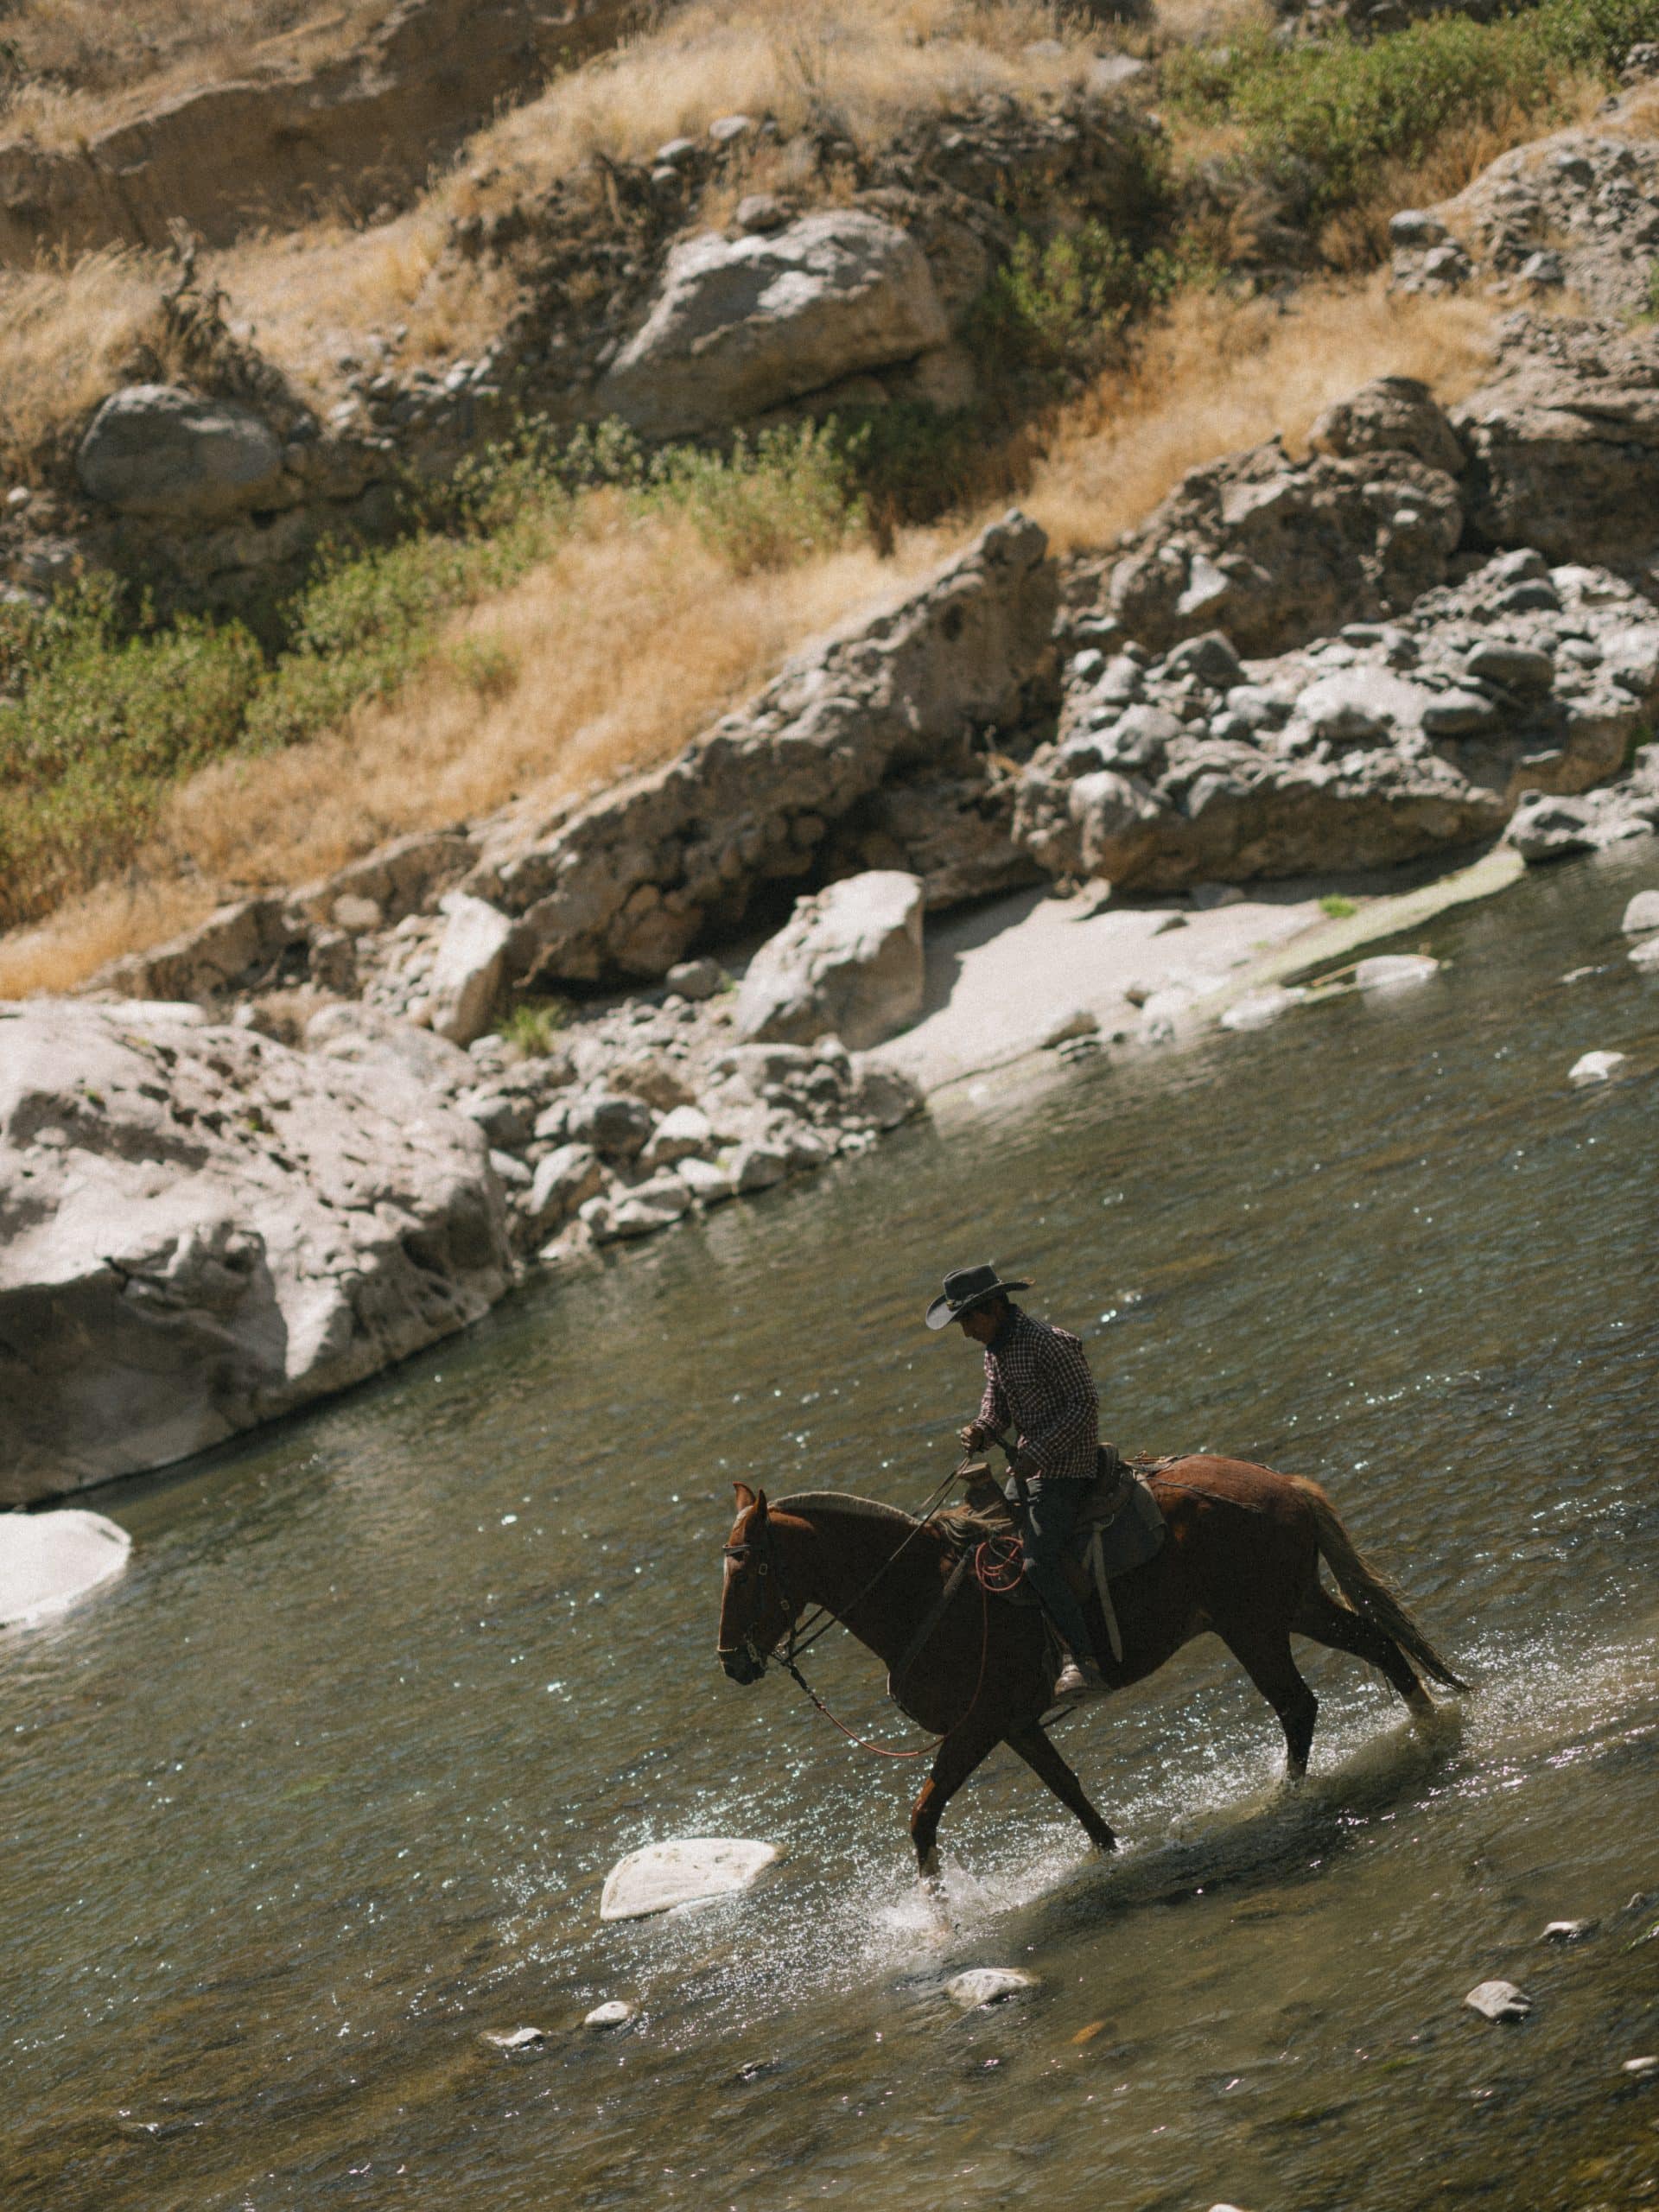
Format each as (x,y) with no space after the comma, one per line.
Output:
(993,1414)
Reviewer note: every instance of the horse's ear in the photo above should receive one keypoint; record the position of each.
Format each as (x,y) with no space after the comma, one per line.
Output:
(744,1497)
(760,1505)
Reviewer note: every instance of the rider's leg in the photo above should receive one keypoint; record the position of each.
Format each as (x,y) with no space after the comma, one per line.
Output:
(1049,1523)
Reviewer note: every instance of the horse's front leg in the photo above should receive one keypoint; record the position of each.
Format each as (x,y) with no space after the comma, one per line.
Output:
(963,1749)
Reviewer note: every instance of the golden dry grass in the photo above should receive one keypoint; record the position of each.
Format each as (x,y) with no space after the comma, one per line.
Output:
(1219,374)
(631,638)
(63,335)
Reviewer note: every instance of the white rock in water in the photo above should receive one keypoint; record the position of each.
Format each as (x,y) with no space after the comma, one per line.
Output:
(1595,1067)
(611,2014)
(1566,1932)
(1260,1008)
(513,2038)
(1641,2066)
(988,1985)
(1641,913)
(48,1560)
(1645,955)
(664,1875)
(1499,2000)
(1390,971)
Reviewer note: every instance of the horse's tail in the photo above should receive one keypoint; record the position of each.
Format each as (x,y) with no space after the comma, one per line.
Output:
(1371,1594)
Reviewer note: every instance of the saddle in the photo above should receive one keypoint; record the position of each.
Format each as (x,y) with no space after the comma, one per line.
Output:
(1119,1529)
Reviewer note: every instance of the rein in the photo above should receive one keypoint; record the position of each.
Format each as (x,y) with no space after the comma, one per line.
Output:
(990,1569)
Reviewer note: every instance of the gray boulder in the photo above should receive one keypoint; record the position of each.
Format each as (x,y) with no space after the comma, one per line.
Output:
(153,449)
(847,964)
(1564,441)
(742,324)
(1274,552)
(470,969)
(1389,414)
(201,1230)
(623,886)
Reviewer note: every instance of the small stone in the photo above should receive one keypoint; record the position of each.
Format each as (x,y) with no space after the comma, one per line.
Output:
(1645,955)
(1499,2000)
(1171,922)
(613,2013)
(356,915)
(1080,1023)
(1641,2066)
(1566,1932)
(758,1167)
(675,153)
(1595,1067)
(1415,227)
(664,1875)
(1544,270)
(682,1133)
(710,1183)
(979,1985)
(726,129)
(514,2039)
(1260,1008)
(1393,971)
(1641,914)
(696,979)
(760,211)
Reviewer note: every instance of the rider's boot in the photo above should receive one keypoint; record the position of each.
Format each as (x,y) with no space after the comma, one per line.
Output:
(1076,1682)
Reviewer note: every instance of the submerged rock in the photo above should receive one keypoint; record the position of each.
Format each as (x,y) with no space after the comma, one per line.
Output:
(1499,2000)
(1260,1008)
(49,1560)
(685,1872)
(978,1985)
(513,2038)
(1395,971)
(1641,914)
(1592,1067)
(613,2013)
(1566,1932)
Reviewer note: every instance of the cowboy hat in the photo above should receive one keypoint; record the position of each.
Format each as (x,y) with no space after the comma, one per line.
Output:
(966,1288)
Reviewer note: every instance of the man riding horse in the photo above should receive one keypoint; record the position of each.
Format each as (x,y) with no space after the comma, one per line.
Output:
(1037,1377)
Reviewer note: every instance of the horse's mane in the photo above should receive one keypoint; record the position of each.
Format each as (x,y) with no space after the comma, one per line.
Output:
(847,1503)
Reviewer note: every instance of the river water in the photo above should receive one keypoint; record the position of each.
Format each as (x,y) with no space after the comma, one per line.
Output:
(327,1786)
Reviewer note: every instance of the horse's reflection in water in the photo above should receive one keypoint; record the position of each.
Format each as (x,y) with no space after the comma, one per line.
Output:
(1242,1559)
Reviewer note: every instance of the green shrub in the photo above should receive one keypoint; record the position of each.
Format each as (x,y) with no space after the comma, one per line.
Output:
(98,717)
(762,505)
(532,1027)
(1054,307)
(1337,907)
(1325,120)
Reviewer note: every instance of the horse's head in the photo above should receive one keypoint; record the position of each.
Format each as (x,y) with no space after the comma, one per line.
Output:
(755,1611)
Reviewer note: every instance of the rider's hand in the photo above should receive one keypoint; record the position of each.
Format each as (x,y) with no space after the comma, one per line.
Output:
(973,1438)
(1025,1467)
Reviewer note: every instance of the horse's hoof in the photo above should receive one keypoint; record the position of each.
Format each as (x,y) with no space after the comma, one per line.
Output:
(928,1866)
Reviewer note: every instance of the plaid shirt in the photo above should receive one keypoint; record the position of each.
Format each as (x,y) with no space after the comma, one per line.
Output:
(1038,1377)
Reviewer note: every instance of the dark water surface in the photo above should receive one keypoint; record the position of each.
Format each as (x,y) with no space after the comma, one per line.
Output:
(329,1784)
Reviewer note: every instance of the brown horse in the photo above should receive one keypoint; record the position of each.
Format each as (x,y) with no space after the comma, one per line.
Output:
(1240,1559)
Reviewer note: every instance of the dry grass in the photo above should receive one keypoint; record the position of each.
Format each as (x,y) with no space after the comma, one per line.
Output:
(63,336)
(630,640)
(864,67)
(87,64)
(1218,375)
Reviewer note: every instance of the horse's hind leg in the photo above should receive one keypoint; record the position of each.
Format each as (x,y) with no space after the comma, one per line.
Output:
(1045,1763)
(1264,1654)
(1323,1621)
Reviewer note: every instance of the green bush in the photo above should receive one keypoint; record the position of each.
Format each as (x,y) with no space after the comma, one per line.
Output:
(1054,306)
(1336,907)
(1325,120)
(96,718)
(762,505)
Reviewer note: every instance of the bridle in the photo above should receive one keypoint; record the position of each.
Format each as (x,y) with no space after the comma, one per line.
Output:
(787,1645)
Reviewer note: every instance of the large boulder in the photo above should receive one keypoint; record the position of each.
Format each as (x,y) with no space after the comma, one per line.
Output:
(741,324)
(470,966)
(623,886)
(1274,552)
(848,963)
(1564,442)
(153,449)
(1393,740)
(201,1229)
(48,1560)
